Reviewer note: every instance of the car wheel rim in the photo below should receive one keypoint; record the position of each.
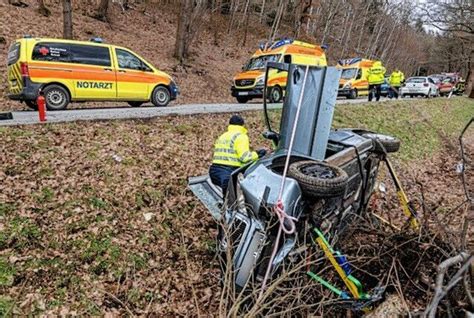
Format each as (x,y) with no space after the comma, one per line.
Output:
(276,95)
(56,98)
(161,96)
(318,171)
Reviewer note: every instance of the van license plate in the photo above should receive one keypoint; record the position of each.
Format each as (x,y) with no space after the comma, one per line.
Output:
(243,93)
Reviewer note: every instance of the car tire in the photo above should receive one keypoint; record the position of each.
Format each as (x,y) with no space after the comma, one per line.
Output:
(429,94)
(353,94)
(275,95)
(56,96)
(242,99)
(383,143)
(161,96)
(318,179)
(135,104)
(31,104)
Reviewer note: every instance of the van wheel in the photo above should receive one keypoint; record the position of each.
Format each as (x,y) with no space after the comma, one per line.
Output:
(57,98)
(161,96)
(135,104)
(319,179)
(31,104)
(275,94)
(242,99)
(353,94)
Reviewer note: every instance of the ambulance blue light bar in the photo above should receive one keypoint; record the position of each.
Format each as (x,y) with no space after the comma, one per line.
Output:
(97,40)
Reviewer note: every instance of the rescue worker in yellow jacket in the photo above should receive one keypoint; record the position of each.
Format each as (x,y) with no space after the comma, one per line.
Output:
(231,151)
(396,80)
(375,77)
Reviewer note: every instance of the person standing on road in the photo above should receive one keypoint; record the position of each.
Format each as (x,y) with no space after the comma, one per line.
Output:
(231,151)
(396,80)
(376,75)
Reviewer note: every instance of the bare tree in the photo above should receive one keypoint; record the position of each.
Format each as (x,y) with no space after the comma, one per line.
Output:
(102,10)
(455,18)
(190,17)
(42,9)
(67,19)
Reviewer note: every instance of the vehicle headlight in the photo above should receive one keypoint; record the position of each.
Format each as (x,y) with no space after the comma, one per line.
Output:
(347,85)
(259,81)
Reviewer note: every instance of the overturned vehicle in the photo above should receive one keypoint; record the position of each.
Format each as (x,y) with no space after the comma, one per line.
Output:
(315,178)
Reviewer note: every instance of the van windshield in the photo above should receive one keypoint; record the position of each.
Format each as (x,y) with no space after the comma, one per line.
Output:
(258,63)
(349,73)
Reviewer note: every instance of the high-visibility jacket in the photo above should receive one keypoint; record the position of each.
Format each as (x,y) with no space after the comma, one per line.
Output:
(376,74)
(396,78)
(232,148)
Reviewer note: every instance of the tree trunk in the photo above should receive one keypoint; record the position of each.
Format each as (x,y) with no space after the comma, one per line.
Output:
(42,9)
(247,15)
(182,29)
(262,11)
(102,10)
(67,19)
(276,22)
(470,82)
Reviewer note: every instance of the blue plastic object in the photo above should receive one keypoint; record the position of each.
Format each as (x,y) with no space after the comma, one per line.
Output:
(344,263)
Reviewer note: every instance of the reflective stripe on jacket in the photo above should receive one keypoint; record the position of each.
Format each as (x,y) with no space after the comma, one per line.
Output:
(376,74)
(396,78)
(232,148)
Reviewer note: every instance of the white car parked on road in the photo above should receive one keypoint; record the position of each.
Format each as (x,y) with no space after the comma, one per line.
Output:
(419,86)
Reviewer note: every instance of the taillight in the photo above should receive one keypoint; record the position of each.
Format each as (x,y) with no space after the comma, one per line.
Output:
(426,84)
(24,70)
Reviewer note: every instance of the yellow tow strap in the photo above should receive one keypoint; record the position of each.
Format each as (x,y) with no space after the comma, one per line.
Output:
(327,251)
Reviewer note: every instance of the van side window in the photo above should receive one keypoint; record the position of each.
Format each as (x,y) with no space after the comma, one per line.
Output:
(359,74)
(287,59)
(57,52)
(90,54)
(129,61)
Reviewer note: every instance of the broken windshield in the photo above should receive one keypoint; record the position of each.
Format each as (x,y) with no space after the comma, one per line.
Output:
(258,63)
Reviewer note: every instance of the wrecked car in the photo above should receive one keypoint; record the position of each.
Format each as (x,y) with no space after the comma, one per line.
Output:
(330,178)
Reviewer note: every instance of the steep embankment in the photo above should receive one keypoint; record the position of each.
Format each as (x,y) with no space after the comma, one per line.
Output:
(147,29)
(95,217)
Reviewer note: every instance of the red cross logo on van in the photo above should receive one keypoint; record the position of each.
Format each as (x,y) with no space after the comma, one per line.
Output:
(44,51)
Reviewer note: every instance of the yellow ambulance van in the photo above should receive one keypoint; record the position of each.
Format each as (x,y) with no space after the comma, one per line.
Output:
(66,70)
(353,80)
(248,84)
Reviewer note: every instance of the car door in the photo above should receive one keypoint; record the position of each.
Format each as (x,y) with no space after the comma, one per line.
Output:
(93,73)
(208,193)
(134,76)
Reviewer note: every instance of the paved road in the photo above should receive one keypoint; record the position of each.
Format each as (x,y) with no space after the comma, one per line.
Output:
(31,117)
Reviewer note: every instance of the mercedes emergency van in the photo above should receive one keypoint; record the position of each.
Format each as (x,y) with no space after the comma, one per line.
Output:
(353,80)
(66,70)
(248,84)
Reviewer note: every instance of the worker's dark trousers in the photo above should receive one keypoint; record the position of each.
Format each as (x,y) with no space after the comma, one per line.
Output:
(220,176)
(394,90)
(375,88)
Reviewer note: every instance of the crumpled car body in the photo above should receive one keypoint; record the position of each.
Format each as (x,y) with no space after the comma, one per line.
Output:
(247,215)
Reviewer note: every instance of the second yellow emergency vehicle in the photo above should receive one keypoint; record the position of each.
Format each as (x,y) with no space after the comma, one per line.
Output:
(66,70)
(248,84)
(353,80)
